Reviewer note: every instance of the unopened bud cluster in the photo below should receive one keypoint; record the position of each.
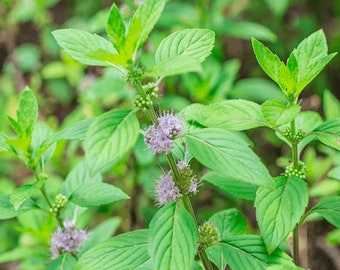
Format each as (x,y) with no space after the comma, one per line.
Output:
(299,172)
(60,202)
(297,137)
(145,102)
(134,76)
(207,235)
(188,182)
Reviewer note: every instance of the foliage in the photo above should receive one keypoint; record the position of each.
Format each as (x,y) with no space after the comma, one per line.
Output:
(148,59)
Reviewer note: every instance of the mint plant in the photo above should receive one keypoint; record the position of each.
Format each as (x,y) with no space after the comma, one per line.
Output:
(209,134)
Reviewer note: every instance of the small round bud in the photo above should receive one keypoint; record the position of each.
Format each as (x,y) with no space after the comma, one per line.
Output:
(207,235)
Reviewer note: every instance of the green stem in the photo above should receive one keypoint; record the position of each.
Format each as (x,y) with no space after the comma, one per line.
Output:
(45,195)
(295,160)
(172,163)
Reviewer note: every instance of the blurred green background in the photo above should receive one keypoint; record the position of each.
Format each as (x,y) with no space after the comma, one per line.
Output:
(68,91)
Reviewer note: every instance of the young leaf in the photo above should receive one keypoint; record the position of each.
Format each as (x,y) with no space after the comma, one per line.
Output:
(329,208)
(278,114)
(4,147)
(76,131)
(239,189)
(229,222)
(40,133)
(172,238)
(27,112)
(115,28)
(64,262)
(311,55)
(124,251)
(7,210)
(142,23)
(79,176)
(24,192)
(87,48)
(194,43)
(331,105)
(271,64)
(95,194)
(249,252)
(229,114)
(109,137)
(329,133)
(227,154)
(278,211)
(175,65)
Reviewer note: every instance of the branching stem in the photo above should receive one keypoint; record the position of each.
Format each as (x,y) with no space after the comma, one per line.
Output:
(153,117)
(295,160)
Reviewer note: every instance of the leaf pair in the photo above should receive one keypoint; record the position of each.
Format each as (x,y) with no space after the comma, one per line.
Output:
(91,49)
(303,64)
(171,243)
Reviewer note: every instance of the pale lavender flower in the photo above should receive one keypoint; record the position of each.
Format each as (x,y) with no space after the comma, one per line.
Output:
(68,239)
(160,138)
(194,185)
(182,164)
(170,124)
(166,190)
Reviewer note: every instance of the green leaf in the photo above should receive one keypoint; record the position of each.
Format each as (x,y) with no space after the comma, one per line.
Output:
(79,176)
(122,252)
(270,63)
(194,43)
(246,30)
(174,66)
(278,114)
(95,194)
(27,112)
(109,137)
(284,267)
(278,211)
(115,28)
(249,252)
(7,210)
(101,233)
(142,23)
(331,105)
(172,238)
(64,262)
(329,208)
(334,173)
(229,114)
(239,189)
(4,147)
(229,222)
(227,154)
(329,133)
(87,48)
(311,55)
(76,131)
(40,133)
(24,192)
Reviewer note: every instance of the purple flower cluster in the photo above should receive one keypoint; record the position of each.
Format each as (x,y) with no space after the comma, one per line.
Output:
(160,138)
(68,239)
(166,190)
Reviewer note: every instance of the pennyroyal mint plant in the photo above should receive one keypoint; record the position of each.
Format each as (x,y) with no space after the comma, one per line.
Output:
(174,240)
